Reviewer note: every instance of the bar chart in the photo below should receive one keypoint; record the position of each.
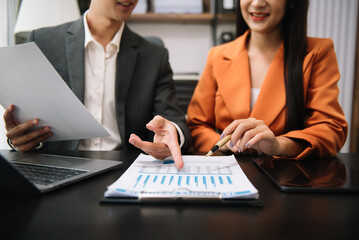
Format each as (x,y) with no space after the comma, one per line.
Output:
(217,177)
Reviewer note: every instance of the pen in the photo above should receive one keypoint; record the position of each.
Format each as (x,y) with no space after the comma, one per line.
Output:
(219,144)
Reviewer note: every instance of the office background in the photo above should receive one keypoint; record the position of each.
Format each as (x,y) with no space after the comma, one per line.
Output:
(189,41)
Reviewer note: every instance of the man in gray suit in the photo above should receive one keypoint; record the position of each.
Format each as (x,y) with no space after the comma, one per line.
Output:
(123,80)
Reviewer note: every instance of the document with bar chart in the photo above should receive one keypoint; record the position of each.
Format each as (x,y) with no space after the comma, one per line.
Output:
(218,177)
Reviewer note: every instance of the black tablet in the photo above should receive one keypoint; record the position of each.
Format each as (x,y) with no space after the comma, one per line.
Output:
(337,174)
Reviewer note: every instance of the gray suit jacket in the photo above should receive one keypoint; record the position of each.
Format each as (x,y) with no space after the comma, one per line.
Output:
(144,86)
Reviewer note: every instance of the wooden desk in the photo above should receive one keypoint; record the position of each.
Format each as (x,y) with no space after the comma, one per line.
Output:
(74,212)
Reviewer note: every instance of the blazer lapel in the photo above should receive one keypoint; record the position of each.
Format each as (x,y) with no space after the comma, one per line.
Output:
(126,62)
(271,99)
(234,79)
(234,84)
(76,57)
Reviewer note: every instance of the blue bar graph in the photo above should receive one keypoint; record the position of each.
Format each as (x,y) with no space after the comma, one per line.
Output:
(204,182)
(138,180)
(229,180)
(191,178)
(147,178)
(213,182)
(220,180)
(200,179)
(179,180)
(171,180)
(183,181)
(163,180)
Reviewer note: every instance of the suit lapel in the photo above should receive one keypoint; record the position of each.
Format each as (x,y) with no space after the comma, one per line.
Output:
(271,98)
(126,62)
(76,57)
(234,79)
(234,84)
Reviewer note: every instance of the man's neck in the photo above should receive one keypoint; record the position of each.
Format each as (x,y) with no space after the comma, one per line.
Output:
(102,29)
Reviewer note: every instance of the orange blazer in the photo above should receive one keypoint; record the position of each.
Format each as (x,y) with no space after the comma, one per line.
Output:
(223,95)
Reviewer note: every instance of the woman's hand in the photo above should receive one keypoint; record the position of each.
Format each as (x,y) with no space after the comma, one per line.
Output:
(252,134)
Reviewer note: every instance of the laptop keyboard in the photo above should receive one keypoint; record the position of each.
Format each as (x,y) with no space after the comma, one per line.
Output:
(45,175)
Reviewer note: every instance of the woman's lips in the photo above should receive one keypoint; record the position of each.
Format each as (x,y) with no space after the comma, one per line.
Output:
(258,16)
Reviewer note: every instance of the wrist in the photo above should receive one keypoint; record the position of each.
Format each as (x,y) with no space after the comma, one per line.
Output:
(180,135)
(11,145)
(288,147)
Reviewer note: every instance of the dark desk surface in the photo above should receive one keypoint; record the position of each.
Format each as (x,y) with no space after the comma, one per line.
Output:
(74,212)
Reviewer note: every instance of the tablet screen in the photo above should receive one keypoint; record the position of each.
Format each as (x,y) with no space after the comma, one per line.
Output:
(312,175)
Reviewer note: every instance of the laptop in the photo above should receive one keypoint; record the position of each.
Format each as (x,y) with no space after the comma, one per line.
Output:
(336,174)
(40,173)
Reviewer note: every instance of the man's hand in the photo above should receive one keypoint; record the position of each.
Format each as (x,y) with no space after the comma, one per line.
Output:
(165,142)
(21,135)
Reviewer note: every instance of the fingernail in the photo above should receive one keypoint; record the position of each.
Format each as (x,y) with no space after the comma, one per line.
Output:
(239,150)
(222,135)
(247,145)
(34,122)
(47,129)
(231,145)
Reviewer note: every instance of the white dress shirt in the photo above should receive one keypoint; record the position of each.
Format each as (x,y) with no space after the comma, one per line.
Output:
(100,75)
(254,96)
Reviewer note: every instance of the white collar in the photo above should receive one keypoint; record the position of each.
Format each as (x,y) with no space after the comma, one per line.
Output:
(116,40)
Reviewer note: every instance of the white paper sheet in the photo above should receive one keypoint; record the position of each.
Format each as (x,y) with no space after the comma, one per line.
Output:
(213,177)
(29,81)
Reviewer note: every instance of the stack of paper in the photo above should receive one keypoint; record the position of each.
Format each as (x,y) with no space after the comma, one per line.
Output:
(176,6)
(30,82)
(215,177)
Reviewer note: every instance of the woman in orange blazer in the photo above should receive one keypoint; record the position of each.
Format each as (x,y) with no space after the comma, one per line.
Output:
(273,88)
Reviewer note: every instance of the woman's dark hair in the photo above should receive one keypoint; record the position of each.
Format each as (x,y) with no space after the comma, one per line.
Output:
(294,32)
